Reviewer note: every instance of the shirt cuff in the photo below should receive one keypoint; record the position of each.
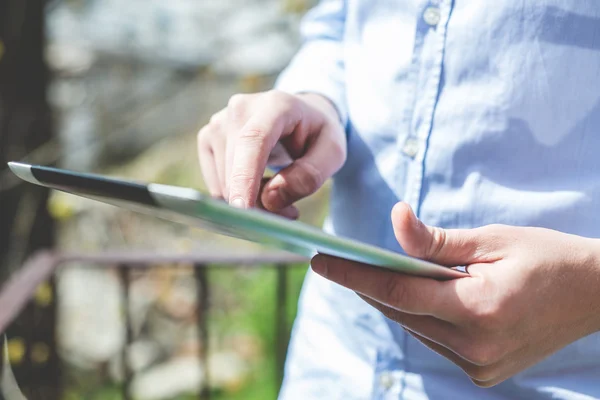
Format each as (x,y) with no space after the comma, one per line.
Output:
(317,68)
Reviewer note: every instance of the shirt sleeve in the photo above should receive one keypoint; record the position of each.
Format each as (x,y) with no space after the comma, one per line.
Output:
(318,67)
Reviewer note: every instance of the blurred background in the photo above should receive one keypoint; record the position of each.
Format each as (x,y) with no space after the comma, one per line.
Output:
(121,87)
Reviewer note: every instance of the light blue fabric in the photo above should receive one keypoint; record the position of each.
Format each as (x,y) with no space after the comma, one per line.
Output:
(474,112)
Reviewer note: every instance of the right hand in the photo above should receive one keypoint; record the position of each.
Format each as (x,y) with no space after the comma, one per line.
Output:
(273,128)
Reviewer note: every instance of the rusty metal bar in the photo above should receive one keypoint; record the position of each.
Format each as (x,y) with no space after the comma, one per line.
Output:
(146,259)
(21,286)
(281,323)
(200,272)
(127,373)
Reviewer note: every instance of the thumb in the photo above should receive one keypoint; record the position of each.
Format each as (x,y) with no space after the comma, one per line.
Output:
(450,247)
(305,175)
(291,184)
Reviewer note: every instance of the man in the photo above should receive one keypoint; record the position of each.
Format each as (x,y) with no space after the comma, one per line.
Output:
(471,113)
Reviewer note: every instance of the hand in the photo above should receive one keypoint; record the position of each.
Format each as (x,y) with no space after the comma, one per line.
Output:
(276,128)
(530,292)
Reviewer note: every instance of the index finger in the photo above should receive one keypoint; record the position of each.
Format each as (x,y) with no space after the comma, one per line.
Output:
(406,293)
(251,152)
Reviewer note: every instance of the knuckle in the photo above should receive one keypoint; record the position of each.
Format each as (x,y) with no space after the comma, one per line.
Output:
(475,373)
(345,278)
(278,96)
(254,136)
(481,354)
(338,152)
(484,384)
(243,175)
(237,102)
(498,228)
(282,101)
(245,178)
(487,316)
(393,314)
(215,120)
(203,138)
(481,375)
(485,309)
(438,242)
(215,193)
(395,292)
(495,234)
(308,178)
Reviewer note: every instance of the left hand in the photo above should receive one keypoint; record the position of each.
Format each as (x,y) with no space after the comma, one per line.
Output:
(530,292)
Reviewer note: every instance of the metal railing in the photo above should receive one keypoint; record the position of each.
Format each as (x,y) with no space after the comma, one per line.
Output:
(20,288)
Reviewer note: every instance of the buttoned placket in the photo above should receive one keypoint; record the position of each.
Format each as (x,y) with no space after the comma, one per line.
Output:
(432,21)
(434,16)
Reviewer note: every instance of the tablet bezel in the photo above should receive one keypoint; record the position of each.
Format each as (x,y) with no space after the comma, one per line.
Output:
(191,207)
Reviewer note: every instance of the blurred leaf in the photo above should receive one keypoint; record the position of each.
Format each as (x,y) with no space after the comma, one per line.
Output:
(297,6)
(60,207)
(16,350)
(40,353)
(43,294)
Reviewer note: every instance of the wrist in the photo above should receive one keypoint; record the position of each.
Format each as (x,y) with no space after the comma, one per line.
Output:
(592,269)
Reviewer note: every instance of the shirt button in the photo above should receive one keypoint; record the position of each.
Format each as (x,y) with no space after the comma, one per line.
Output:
(385,380)
(410,147)
(432,16)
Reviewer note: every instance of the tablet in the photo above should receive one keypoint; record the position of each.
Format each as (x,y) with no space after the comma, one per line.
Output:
(190,207)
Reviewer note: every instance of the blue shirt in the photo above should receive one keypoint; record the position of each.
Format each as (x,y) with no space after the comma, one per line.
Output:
(474,112)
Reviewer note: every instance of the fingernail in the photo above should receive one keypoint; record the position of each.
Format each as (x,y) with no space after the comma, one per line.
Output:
(276,181)
(415,220)
(319,265)
(238,203)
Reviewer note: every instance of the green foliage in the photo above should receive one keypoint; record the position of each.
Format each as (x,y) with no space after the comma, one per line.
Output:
(254,313)
(247,298)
